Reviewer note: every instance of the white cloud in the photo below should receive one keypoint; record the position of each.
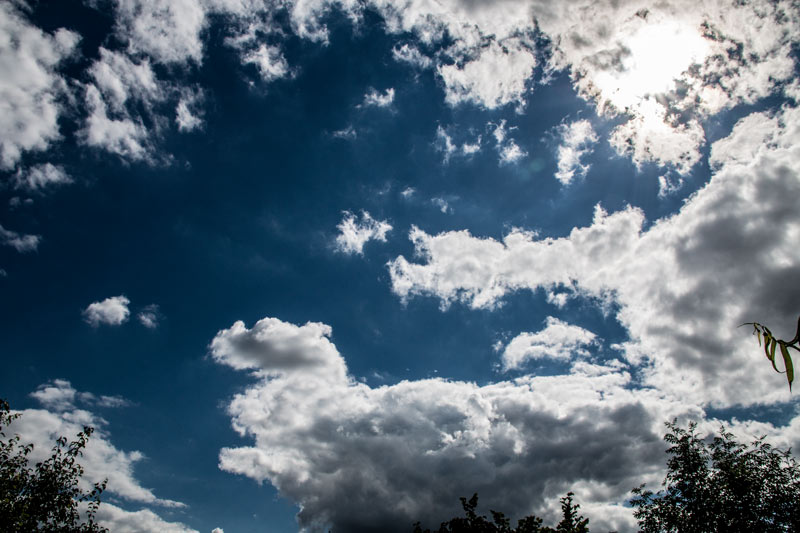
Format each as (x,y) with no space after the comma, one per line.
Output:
(377,99)
(20,242)
(496,77)
(30,87)
(408,192)
(577,139)
(507,148)
(273,347)
(142,521)
(59,396)
(353,235)
(169,31)
(112,311)
(694,58)
(407,451)
(123,136)
(651,136)
(149,316)
(40,177)
(188,113)
(100,460)
(445,144)
(681,286)
(121,104)
(269,62)
(411,55)
(558,340)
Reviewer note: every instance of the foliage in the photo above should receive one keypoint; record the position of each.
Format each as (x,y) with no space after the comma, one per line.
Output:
(45,497)
(572,522)
(721,485)
(771,342)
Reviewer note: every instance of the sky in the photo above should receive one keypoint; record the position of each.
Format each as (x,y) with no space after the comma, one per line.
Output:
(333,264)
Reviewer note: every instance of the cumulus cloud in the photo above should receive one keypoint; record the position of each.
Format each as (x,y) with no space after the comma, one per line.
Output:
(20,242)
(577,139)
(121,87)
(663,67)
(30,86)
(407,451)
(59,395)
(142,521)
(353,235)
(169,31)
(681,286)
(496,77)
(112,311)
(100,460)
(373,98)
(276,347)
(558,340)
(40,177)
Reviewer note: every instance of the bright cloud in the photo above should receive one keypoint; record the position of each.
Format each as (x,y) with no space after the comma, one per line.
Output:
(496,77)
(169,31)
(269,62)
(577,139)
(100,460)
(20,242)
(506,147)
(406,450)
(682,286)
(378,99)
(353,235)
(142,521)
(30,86)
(558,340)
(111,311)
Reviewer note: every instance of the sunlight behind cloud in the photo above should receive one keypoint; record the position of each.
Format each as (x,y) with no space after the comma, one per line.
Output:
(657,56)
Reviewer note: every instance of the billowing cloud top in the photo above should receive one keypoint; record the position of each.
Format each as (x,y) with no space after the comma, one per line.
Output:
(276,347)
(112,311)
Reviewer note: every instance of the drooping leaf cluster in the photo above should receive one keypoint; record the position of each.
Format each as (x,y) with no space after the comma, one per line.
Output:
(47,496)
(572,522)
(771,343)
(721,485)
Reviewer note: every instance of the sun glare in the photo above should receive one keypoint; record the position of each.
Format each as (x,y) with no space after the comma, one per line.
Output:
(657,56)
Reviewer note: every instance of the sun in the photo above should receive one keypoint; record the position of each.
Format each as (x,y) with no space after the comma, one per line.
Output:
(655,56)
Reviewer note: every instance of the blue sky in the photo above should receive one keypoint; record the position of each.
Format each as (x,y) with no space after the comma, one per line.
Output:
(333,264)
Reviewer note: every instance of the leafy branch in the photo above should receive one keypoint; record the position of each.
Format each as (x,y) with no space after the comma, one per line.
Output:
(771,343)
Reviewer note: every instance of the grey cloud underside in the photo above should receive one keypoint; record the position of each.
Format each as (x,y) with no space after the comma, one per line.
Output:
(408,451)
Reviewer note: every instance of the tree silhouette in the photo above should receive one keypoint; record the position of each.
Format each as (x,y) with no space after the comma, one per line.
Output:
(572,522)
(45,497)
(721,485)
